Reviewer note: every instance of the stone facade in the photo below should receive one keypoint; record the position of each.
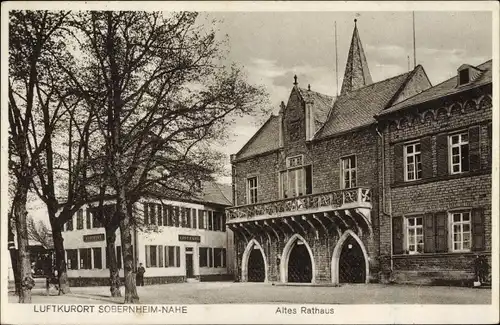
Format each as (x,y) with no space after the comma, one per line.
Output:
(438,193)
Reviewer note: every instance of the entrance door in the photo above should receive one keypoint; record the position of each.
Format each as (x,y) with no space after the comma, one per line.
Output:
(256,268)
(299,264)
(189,265)
(352,267)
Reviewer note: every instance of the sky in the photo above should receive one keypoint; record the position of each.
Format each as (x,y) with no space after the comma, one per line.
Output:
(274,46)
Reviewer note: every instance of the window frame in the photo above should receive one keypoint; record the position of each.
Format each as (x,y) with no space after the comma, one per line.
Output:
(461,223)
(414,229)
(416,162)
(350,170)
(251,188)
(458,145)
(299,172)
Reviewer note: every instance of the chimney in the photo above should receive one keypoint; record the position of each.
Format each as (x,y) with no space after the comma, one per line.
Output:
(280,121)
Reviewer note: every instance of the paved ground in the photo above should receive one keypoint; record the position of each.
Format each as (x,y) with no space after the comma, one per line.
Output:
(228,292)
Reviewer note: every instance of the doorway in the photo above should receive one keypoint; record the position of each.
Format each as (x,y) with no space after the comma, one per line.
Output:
(189,265)
(352,267)
(299,263)
(256,266)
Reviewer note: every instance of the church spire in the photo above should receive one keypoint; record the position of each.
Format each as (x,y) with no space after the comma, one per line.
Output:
(356,74)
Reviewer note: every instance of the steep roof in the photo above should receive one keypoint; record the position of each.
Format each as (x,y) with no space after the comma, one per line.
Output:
(264,140)
(322,104)
(446,88)
(356,73)
(358,107)
(217,193)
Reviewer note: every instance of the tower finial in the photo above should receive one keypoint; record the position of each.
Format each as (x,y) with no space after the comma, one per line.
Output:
(355,21)
(309,87)
(295,80)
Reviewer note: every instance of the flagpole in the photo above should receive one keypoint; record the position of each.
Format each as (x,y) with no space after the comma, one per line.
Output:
(336,63)
(414,48)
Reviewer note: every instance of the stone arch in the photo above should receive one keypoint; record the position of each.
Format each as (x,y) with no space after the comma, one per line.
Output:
(442,113)
(456,108)
(246,256)
(286,255)
(469,106)
(485,102)
(338,250)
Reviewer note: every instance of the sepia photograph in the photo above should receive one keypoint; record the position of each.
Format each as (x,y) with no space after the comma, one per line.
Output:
(247,162)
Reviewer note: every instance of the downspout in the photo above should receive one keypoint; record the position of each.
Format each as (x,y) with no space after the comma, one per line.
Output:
(382,137)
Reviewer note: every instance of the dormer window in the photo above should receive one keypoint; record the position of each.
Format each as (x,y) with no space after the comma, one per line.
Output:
(467,74)
(463,77)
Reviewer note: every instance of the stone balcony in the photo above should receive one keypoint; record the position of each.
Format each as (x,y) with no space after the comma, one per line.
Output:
(340,209)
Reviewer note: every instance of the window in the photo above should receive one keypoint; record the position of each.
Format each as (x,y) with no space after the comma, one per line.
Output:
(151,256)
(170,216)
(85,258)
(79,219)
(165,215)
(72,259)
(119,257)
(463,76)
(217,221)
(210,220)
(202,215)
(348,166)
(172,256)
(223,257)
(252,190)
(459,152)
(97,257)
(203,256)
(69,225)
(210,257)
(176,216)
(414,235)
(89,219)
(160,256)
(152,214)
(461,231)
(195,218)
(413,162)
(160,215)
(146,213)
(296,180)
(218,257)
(95,221)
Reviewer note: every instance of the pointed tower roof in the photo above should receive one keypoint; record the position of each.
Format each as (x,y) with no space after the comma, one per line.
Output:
(356,74)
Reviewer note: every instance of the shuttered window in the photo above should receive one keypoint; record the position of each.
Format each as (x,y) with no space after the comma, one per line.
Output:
(201,216)
(461,231)
(413,161)
(429,233)
(414,235)
(79,219)
(442,154)
(474,149)
(165,215)
(160,214)
(459,153)
(195,218)
(88,219)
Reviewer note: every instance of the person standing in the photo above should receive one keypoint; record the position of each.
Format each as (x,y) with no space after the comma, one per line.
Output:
(140,275)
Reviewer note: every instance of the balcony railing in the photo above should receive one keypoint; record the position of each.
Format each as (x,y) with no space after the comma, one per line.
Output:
(335,200)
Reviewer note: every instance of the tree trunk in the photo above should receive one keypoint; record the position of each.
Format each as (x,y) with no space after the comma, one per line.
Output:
(24,267)
(62,271)
(114,275)
(13,254)
(131,295)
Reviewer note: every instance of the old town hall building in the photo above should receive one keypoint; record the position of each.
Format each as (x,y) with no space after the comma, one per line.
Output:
(390,181)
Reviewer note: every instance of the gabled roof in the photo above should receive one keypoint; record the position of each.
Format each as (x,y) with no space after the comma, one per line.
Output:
(356,73)
(217,193)
(322,104)
(357,108)
(264,140)
(446,88)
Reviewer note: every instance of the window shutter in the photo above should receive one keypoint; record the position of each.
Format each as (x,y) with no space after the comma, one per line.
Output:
(442,154)
(195,218)
(178,256)
(210,258)
(490,146)
(478,229)
(166,257)
(146,214)
(308,179)
(426,150)
(160,215)
(441,227)
(148,257)
(429,233)
(474,148)
(398,163)
(397,235)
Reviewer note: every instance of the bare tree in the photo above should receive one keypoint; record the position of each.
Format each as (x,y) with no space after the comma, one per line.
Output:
(161,95)
(40,233)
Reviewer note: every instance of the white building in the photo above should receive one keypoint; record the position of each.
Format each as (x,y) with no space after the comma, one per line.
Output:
(181,240)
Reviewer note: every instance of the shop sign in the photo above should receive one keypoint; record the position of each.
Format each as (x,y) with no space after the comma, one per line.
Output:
(190,238)
(92,238)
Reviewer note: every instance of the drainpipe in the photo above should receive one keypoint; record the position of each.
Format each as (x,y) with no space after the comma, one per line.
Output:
(382,137)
